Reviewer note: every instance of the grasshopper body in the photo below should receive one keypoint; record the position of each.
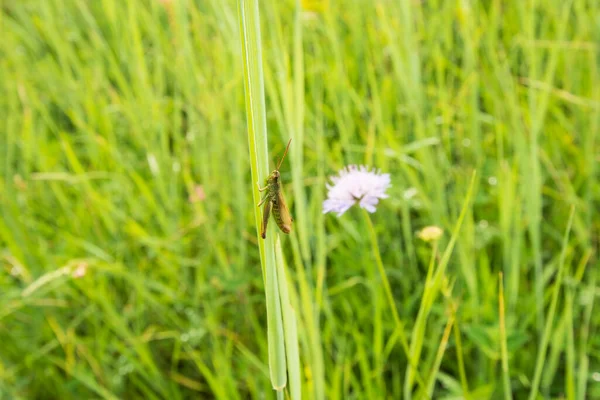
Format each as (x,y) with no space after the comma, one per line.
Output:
(274,202)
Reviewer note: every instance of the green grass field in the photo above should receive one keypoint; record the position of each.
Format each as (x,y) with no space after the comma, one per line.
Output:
(130,259)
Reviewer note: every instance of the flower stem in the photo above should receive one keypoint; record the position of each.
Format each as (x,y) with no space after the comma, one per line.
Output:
(389,295)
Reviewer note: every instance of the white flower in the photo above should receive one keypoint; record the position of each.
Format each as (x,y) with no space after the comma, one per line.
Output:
(356,185)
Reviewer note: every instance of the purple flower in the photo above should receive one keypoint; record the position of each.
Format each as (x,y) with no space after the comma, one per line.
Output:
(356,185)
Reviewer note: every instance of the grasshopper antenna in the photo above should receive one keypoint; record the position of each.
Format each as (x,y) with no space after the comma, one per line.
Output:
(284,154)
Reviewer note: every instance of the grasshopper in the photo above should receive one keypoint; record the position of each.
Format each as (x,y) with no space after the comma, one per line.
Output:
(275,202)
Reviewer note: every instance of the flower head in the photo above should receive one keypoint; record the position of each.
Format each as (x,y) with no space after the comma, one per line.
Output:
(197,195)
(430,233)
(80,270)
(356,185)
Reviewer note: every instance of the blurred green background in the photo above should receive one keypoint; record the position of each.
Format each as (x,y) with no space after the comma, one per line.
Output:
(128,251)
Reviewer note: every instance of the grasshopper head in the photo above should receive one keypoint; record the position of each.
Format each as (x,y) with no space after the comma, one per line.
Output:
(273,178)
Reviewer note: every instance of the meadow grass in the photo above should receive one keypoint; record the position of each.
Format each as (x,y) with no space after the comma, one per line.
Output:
(129,254)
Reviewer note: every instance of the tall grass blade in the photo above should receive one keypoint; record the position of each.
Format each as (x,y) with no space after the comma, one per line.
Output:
(541,357)
(257,141)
